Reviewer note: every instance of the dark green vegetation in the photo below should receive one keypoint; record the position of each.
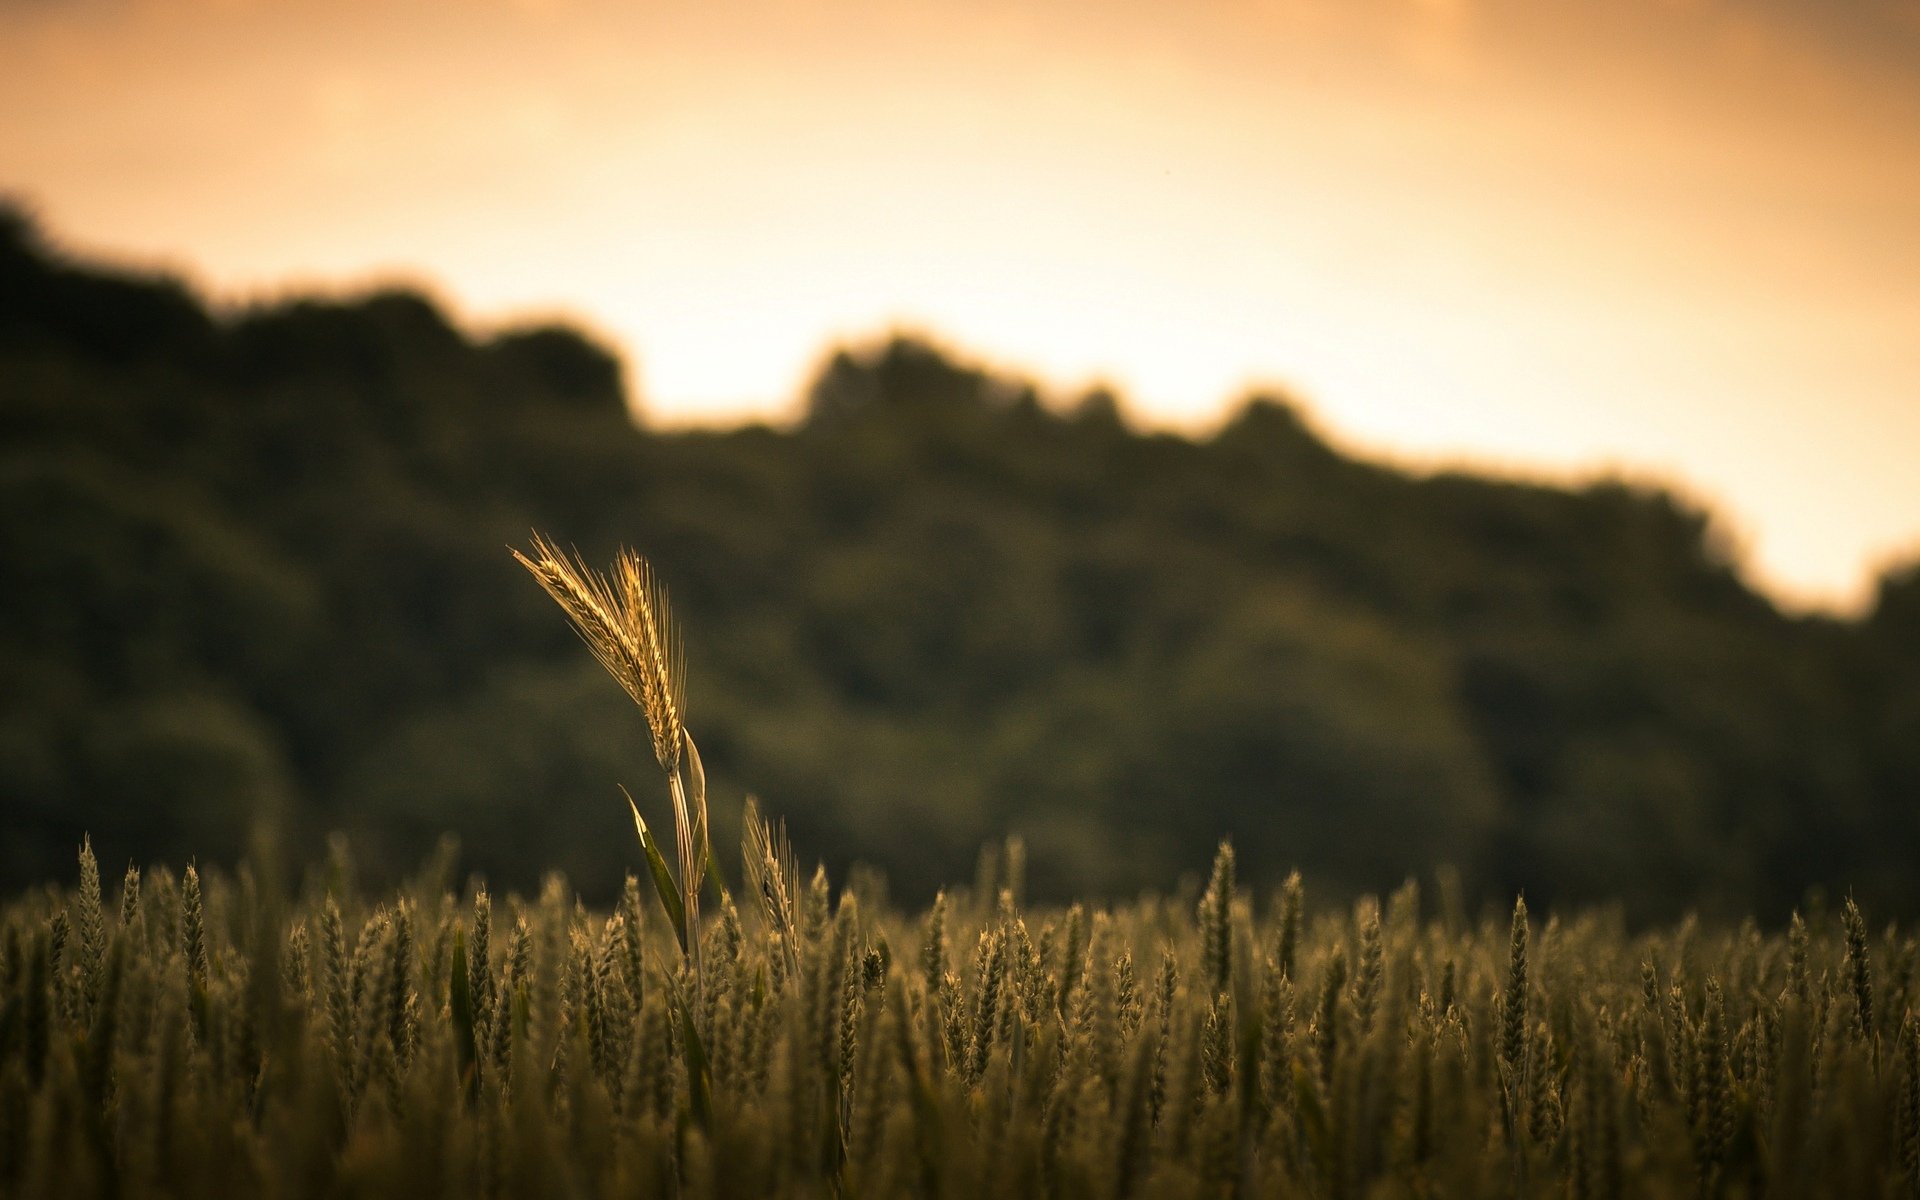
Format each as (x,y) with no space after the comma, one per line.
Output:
(203,1037)
(256,562)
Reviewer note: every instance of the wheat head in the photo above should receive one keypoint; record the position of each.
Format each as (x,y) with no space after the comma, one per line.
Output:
(625,622)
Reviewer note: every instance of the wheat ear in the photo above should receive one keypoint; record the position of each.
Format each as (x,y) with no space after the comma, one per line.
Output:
(625,624)
(771,875)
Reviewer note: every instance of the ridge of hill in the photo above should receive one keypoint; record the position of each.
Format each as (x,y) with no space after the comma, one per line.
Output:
(255,564)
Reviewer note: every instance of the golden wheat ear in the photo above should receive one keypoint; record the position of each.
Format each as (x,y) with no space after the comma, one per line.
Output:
(590,603)
(768,863)
(649,622)
(626,624)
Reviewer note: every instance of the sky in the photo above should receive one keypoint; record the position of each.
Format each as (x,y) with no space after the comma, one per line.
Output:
(1677,240)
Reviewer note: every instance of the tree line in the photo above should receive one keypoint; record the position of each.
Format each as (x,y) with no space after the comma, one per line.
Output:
(256,585)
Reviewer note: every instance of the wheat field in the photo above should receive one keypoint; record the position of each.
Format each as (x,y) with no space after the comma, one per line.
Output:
(203,1035)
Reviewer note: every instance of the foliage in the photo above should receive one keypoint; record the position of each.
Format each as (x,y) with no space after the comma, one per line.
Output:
(256,561)
(212,1036)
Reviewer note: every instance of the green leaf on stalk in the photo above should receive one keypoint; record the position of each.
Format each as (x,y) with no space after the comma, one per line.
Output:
(699,1088)
(663,884)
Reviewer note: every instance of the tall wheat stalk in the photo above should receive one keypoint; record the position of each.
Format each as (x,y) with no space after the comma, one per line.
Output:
(625,621)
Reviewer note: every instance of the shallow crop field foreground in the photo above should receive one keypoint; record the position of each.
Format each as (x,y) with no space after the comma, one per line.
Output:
(189,1035)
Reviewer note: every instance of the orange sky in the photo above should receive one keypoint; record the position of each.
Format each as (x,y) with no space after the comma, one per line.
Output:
(1673,237)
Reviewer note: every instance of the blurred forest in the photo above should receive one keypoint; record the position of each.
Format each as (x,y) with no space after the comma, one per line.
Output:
(256,575)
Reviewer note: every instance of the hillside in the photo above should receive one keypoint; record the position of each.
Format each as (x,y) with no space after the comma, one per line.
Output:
(255,562)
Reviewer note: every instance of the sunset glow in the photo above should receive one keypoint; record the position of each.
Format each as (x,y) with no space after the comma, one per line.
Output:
(1674,238)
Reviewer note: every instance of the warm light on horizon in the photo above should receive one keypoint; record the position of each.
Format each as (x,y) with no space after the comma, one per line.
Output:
(1675,240)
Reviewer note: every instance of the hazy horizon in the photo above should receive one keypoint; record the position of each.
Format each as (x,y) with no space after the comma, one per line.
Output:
(1678,241)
